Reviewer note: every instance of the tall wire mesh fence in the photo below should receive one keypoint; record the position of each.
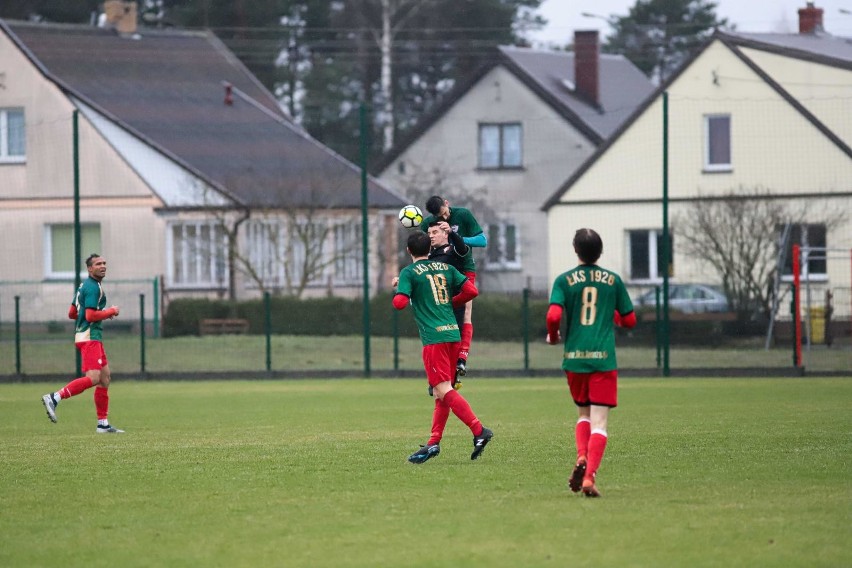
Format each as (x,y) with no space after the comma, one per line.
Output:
(742,148)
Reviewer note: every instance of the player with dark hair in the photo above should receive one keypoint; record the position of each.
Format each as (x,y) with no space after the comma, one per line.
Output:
(465,224)
(427,285)
(594,300)
(449,247)
(88,309)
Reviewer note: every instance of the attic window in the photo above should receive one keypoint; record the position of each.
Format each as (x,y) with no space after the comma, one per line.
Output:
(717,143)
(13,139)
(500,146)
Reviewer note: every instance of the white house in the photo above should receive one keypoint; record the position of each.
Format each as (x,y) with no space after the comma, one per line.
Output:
(506,138)
(770,113)
(181,152)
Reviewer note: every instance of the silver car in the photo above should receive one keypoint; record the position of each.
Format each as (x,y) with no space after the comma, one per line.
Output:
(689,298)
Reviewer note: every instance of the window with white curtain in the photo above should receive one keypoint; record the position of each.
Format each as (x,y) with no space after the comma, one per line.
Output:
(503,250)
(197,253)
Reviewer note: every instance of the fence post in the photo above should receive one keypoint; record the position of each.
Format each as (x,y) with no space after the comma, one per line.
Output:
(267,328)
(156,329)
(365,241)
(658,326)
(142,333)
(18,335)
(525,318)
(797,307)
(395,332)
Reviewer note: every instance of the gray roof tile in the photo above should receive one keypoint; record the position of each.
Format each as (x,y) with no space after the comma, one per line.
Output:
(167,87)
(622,86)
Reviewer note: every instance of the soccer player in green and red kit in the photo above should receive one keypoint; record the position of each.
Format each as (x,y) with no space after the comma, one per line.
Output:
(595,300)
(89,310)
(449,247)
(427,285)
(463,222)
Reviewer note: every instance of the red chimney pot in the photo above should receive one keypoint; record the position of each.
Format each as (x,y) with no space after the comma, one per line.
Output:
(810,19)
(586,66)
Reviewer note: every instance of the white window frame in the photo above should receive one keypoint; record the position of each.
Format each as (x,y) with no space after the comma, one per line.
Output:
(49,273)
(219,254)
(499,244)
(265,254)
(5,157)
(655,236)
(501,145)
(347,257)
(805,272)
(717,166)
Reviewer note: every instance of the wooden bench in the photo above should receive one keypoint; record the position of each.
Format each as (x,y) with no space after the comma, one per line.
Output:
(212,326)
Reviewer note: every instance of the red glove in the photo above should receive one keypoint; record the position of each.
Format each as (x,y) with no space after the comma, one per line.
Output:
(72,312)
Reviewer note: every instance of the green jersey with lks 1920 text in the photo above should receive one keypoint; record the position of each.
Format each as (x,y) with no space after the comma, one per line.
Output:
(590,295)
(429,285)
(89,295)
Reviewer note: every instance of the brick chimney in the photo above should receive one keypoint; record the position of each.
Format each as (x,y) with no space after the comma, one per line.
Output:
(810,19)
(586,64)
(121,16)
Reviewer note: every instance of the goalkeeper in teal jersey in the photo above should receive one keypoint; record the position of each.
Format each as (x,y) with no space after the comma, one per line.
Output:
(427,286)
(89,310)
(594,301)
(463,223)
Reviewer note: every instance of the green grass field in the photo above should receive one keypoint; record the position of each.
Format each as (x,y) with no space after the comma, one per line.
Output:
(698,472)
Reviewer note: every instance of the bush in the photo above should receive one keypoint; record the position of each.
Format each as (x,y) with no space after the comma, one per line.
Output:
(494,318)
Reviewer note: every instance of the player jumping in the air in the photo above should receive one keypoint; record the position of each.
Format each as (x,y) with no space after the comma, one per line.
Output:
(463,222)
(449,247)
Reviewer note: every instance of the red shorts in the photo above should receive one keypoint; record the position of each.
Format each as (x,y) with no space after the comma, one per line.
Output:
(599,388)
(94,356)
(439,360)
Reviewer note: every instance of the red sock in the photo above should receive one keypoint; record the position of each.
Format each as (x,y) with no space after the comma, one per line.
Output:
(463,411)
(581,435)
(466,337)
(597,445)
(439,421)
(102,402)
(75,387)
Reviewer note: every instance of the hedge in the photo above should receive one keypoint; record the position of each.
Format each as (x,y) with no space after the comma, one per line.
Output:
(495,317)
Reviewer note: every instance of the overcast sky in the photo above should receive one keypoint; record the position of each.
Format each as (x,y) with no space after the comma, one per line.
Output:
(564,16)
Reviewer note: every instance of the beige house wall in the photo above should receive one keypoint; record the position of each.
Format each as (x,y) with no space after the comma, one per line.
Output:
(825,91)
(773,147)
(39,192)
(552,150)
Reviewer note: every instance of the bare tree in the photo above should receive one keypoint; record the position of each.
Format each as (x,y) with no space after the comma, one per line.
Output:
(392,15)
(284,250)
(287,250)
(737,234)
